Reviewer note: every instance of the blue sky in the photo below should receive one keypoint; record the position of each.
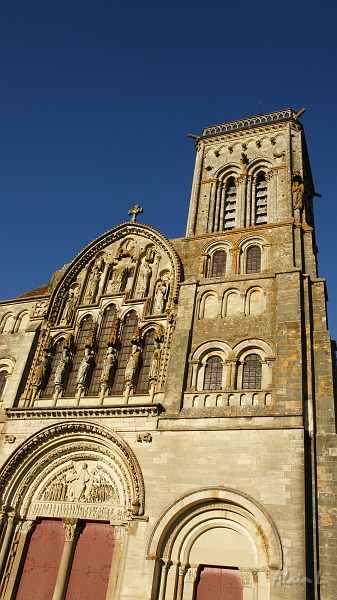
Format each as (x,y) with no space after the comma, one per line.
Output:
(97,97)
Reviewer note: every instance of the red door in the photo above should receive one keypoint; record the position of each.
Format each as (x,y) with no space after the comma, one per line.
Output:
(91,566)
(42,561)
(217,583)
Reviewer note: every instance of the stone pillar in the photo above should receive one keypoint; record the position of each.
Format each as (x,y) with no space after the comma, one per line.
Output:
(181,578)
(255,575)
(71,534)
(6,542)
(163,580)
(25,528)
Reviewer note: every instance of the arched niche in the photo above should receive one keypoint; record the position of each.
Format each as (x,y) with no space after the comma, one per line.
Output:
(74,469)
(218,526)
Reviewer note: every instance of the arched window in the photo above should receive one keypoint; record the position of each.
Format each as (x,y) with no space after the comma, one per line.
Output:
(49,389)
(105,331)
(82,336)
(261,199)
(252,371)
(3,379)
(230,204)
(128,331)
(253,260)
(218,266)
(143,384)
(213,373)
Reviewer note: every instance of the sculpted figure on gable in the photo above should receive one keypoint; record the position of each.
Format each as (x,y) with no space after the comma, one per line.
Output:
(94,281)
(69,307)
(145,274)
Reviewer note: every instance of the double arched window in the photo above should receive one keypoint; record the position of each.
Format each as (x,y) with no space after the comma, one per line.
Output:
(218,264)
(253,259)
(213,373)
(251,372)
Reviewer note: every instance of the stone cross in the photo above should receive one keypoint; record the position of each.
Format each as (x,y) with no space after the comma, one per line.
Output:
(136,210)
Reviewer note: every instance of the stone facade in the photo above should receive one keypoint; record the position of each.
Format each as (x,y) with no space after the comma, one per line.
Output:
(172,402)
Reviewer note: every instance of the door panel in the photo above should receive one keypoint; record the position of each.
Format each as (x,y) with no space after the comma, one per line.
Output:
(217,583)
(42,561)
(90,571)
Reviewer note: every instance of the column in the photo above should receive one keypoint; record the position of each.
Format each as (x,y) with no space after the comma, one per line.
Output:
(163,579)
(7,542)
(26,528)
(71,534)
(255,575)
(192,217)
(181,578)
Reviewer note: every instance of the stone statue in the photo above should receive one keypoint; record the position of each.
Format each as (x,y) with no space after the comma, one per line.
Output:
(120,279)
(84,366)
(132,365)
(145,273)
(94,284)
(160,297)
(42,369)
(108,364)
(61,367)
(297,193)
(155,361)
(69,308)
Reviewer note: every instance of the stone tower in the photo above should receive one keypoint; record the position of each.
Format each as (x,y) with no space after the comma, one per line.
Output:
(167,407)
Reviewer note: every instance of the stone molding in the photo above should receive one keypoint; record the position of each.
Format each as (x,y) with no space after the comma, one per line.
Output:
(145,410)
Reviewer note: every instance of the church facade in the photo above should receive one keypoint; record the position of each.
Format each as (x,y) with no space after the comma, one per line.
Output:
(167,406)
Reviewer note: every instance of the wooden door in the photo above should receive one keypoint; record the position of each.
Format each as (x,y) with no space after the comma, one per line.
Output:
(218,583)
(42,561)
(91,566)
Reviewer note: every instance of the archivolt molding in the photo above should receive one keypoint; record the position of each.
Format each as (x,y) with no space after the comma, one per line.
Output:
(220,503)
(90,252)
(59,449)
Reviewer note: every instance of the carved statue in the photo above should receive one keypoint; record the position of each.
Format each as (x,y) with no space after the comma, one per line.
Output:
(108,364)
(145,273)
(61,367)
(160,297)
(94,283)
(155,362)
(119,280)
(132,365)
(42,369)
(84,366)
(69,308)
(297,193)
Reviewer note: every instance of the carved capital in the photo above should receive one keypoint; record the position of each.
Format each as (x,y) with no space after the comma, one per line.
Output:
(70,529)
(26,526)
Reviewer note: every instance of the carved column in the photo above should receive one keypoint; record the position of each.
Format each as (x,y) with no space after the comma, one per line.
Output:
(7,541)
(255,575)
(25,531)
(163,579)
(71,534)
(181,578)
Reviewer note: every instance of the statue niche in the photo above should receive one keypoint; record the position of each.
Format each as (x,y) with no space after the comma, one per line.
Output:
(94,281)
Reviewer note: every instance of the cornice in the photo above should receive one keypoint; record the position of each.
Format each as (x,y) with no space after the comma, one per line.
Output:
(130,410)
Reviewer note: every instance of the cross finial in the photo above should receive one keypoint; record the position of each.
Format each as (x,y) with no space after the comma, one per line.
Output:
(136,210)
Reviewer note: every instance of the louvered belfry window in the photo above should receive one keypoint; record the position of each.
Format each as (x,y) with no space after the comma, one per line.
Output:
(261,200)
(230,204)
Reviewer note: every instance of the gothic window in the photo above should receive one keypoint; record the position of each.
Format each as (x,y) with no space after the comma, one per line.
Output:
(253,260)
(3,379)
(49,389)
(230,204)
(261,200)
(129,328)
(82,336)
(252,371)
(105,331)
(218,266)
(143,384)
(213,373)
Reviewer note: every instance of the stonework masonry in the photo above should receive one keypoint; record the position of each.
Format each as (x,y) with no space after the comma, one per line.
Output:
(168,406)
